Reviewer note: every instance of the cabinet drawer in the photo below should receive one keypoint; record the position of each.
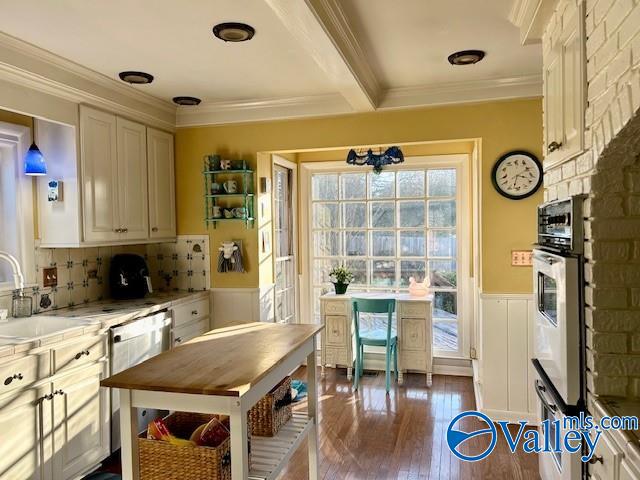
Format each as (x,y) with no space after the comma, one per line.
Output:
(335,330)
(413,334)
(183,314)
(336,356)
(413,309)
(610,457)
(79,352)
(335,308)
(627,472)
(23,371)
(412,360)
(192,330)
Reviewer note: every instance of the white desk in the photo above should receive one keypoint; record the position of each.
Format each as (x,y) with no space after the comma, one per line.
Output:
(414,324)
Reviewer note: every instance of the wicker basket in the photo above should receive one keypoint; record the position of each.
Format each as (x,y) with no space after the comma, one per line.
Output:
(164,461)
(272,411)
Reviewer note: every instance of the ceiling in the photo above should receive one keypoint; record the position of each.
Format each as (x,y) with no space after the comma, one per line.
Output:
(307,57)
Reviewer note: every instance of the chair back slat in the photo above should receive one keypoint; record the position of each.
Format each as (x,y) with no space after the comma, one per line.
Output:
(373,305)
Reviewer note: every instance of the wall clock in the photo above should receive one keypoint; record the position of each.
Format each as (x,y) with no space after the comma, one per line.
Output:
(517,175)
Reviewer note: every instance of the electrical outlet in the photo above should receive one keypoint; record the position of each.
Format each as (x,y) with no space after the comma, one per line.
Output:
(50,277)
(92,274)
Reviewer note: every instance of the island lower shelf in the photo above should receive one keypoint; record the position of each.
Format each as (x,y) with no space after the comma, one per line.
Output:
(270,454)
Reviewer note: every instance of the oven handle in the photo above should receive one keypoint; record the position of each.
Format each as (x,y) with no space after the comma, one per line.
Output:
(540,292)
(559,403)
(540,389)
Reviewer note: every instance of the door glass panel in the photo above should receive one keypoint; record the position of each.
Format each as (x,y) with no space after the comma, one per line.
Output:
(355,244)
(412,244)
(411,268)
(383,244)
(325,217)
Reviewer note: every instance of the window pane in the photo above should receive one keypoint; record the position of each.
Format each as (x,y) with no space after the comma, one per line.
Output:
(359,270)
(442,213)
(383,244)
(411,268)
(382,214)
(411,214)
(325,187)
(445,335)
(354,185)
(442,183)
(325,215)
(383,273)
(321,269)
(445,305)
(382,185)
(355,244)
(442,243)
(326,244)
(280,276)
(442,273)
(355,215)
(412,244)
(411,184)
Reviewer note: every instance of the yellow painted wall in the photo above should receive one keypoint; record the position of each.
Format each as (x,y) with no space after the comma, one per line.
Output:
(502,126)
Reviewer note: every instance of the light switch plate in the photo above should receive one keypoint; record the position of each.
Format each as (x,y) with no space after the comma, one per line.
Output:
(521,258)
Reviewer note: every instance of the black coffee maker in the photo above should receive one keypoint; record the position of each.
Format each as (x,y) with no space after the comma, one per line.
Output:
(129,277)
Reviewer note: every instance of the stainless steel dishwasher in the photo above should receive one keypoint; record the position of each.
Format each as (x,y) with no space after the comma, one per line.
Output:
(130,344)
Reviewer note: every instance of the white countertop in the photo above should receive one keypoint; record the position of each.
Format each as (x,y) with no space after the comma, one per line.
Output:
(404,297)
(100,315)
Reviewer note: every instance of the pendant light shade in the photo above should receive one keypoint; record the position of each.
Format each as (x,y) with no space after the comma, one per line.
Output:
(34,164)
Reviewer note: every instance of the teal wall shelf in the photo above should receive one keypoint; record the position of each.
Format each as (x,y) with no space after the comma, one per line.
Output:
(242,199)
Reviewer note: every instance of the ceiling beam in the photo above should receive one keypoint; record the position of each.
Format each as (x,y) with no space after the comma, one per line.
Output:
(322,30)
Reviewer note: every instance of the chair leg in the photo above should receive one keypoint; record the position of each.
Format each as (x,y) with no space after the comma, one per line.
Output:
(361,359)
(395,360)
(388,367)
(356,373)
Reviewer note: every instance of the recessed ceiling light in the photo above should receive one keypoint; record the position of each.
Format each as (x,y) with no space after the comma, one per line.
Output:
(234,32)
(466,57)
(138,78)
(190,101)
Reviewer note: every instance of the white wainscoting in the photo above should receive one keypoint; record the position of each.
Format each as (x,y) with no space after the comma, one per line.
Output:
(232,306)
(503,374)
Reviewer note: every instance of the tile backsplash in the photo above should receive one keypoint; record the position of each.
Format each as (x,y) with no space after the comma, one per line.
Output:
(83,273)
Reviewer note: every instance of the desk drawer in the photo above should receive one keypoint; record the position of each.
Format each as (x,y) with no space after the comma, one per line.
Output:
(336,307)
(336,330)
(183,314)
(413,309)
(413,334)
(79,352)
(23,371)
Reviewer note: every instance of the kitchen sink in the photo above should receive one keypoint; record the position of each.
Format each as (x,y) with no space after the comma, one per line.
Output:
(37,326)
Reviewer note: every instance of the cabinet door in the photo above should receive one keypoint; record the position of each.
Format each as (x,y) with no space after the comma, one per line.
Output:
(627,472)
(132,180)
(24,419)
(571,46)
(99,175)
(162,188)
(553,121)
(81,421)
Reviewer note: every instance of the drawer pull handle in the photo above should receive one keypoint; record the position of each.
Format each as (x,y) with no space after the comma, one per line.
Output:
(59,392)
(194,312)
(48,396)
(595,459)
(80,354)
(154,229)
(125,230)
(178,339)
(335,332)
(553,146)
(17,376)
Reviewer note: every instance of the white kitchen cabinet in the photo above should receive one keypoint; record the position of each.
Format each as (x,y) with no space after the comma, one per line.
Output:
(627,472)
(189,320)
(80,421)
(564,90)
(162,192)
(133,210)
(25,426)
(99,161)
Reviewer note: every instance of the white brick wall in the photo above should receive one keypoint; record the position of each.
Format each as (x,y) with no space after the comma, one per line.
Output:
(609,171)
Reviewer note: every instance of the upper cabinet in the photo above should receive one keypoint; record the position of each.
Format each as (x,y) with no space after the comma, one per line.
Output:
(121,190)
(565,89)
(162,189)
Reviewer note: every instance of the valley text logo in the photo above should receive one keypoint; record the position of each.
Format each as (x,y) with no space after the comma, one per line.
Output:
(569,435)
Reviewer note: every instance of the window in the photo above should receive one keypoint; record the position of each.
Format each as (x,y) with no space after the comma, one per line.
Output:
(387,228)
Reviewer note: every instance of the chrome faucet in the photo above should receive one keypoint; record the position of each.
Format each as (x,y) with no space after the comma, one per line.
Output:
(22,304)
(18,278)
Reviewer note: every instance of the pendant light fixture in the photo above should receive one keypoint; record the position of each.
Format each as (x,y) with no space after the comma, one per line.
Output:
(34,164)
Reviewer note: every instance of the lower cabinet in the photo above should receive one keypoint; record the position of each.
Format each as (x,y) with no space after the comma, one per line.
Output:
(80,410)
(25,425)
(56,431)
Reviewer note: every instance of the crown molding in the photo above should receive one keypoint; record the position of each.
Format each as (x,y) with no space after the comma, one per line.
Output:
(217,113)
(44,71)
(462,92)
(531,16)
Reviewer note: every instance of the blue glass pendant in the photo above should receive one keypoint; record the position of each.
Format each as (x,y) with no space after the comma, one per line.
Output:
(34,164)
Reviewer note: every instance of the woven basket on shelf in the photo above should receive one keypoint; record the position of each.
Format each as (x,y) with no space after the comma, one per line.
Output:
(163,461)
(272,411)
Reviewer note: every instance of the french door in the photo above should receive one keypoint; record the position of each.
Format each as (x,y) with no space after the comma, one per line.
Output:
(285,238)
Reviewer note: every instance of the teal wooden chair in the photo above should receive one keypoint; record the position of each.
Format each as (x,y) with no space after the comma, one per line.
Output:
(375,337)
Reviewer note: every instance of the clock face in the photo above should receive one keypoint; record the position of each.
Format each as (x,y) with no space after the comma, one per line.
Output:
(517,175)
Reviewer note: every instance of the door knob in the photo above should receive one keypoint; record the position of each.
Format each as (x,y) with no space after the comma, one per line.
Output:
(553,146)
(154,229)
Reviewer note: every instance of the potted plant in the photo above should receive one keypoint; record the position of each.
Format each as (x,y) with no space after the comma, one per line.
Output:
(341,277)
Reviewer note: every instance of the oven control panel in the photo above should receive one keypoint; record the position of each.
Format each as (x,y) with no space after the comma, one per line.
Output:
(560,225)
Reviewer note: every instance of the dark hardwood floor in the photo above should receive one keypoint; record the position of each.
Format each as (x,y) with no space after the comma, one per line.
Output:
(369,435)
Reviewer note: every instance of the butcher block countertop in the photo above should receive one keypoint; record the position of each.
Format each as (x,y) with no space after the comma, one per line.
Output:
(226,362)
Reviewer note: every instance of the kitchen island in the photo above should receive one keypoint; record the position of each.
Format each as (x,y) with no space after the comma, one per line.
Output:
(226,371)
